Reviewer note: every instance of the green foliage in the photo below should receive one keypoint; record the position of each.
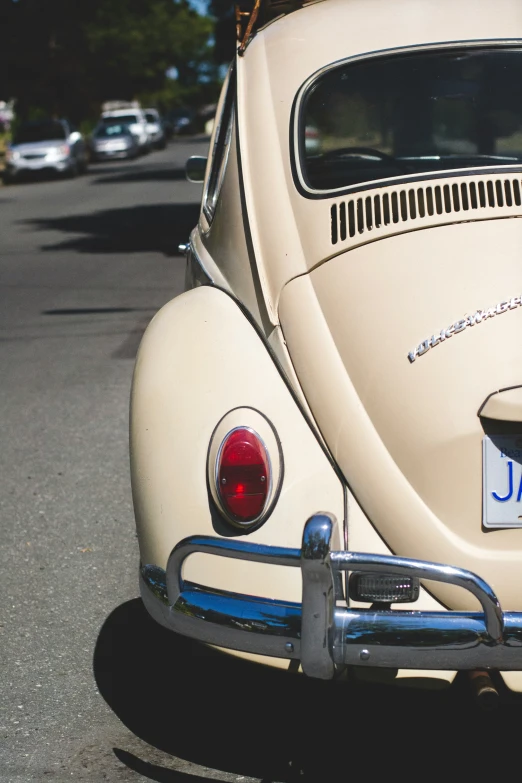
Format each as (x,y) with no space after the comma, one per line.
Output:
(173,94)
(134,42)
(65,57)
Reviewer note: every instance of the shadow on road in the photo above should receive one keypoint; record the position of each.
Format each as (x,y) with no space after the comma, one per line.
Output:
(138,229)
(27,177)
(96,310)
(222,713)
(154,771)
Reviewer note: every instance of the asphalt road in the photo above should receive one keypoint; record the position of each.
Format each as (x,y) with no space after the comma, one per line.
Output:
(91,689)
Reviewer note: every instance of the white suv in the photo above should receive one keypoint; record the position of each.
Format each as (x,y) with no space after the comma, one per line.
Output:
(135,120)
(155,129)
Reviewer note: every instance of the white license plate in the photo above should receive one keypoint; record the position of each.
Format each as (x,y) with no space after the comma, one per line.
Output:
(502,481)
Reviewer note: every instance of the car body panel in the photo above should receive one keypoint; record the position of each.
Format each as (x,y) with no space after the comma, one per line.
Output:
(414,425)
(168,455)
(223,246)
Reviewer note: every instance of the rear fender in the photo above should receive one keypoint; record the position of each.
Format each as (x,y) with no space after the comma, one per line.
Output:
(200,359)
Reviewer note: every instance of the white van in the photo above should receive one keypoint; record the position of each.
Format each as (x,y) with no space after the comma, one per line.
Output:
(136,121)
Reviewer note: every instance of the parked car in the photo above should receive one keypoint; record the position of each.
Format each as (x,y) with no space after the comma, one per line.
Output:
(326,426)
(46,145)
(135,120)
(155,129)
(180,120)
(113,140)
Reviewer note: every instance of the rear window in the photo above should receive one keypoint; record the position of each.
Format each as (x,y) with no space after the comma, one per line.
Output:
(410,114)
(126,118)
(40,131)
(108,131)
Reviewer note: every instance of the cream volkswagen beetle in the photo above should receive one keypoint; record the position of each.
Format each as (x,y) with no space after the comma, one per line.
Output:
(326,427)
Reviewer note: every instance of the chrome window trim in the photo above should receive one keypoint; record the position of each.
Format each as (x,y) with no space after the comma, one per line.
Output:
(209,200)
(295,121)
(209,206)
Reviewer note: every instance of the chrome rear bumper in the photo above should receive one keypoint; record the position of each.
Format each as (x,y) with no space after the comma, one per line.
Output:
(322,635)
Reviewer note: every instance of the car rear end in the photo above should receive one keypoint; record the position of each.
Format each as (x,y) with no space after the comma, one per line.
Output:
(387,290)
(113,141)
(134,119)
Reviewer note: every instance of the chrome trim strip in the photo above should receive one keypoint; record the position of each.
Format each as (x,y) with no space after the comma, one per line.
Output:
(425,640)
(193,256)
(209,206)
(321,634)
(156,581)
(223,547)
(257,625)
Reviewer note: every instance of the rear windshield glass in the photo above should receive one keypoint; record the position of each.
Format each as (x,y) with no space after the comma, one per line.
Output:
(410,114)
(108,131)
(39,131)
(127,118)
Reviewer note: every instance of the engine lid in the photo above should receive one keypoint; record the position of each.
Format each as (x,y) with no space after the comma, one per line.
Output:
(397,345)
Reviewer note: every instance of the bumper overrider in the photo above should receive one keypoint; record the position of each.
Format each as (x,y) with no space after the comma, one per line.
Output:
(318,632)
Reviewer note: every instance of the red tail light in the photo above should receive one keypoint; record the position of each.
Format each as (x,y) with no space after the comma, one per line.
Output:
(243,475)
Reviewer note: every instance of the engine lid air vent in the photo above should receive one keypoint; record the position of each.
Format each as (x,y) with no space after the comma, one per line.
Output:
(442,201)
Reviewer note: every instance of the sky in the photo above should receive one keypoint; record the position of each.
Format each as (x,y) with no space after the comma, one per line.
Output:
(199,5)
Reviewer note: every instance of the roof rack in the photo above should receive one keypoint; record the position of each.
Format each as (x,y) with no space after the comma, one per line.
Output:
(252,14)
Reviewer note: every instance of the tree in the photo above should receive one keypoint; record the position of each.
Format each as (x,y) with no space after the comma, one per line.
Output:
(65,57)
(135,42)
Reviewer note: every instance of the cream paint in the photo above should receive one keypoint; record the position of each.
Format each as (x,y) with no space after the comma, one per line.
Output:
(415,426)
(224,365)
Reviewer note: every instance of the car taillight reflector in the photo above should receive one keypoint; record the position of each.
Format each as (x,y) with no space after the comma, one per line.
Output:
(243,475)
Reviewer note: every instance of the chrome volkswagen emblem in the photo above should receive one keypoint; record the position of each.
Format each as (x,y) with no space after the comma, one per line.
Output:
(459,326)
